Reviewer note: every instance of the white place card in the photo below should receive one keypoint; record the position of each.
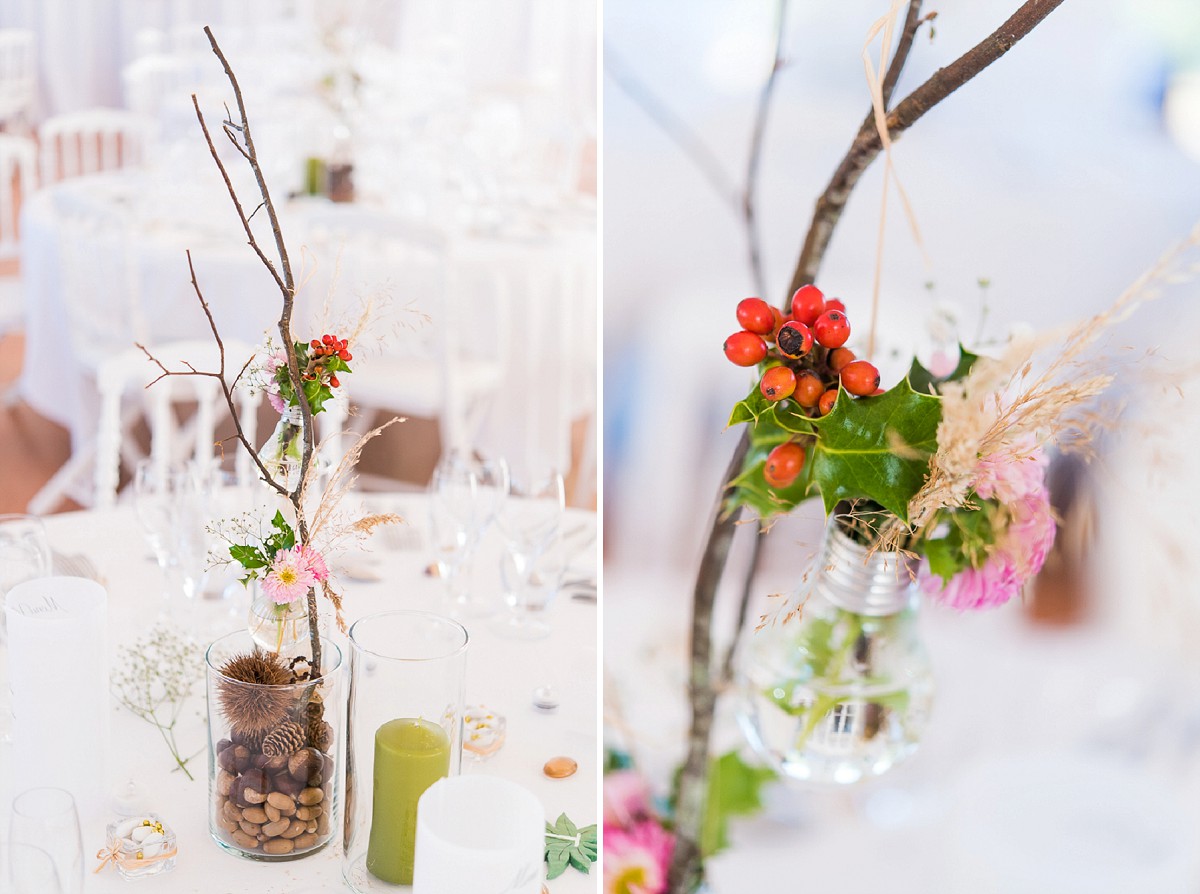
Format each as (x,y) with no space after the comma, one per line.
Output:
(58,668)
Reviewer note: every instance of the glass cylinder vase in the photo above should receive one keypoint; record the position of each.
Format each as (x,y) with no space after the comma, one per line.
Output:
(404,733)
(843,692)
(273,757)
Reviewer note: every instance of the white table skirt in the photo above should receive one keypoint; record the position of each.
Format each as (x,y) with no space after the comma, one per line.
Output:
(501,673)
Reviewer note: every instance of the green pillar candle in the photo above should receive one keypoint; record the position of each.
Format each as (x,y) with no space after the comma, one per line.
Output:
(410,756)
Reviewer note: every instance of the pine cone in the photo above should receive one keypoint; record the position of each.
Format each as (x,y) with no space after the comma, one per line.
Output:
(320,735)
(285,739)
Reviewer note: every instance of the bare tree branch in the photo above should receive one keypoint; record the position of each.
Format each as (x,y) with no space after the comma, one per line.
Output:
(749,209)
(686,865)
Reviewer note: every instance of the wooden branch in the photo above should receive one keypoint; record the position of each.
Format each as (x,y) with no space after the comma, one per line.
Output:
(287,287)
(912,108)
(686,869)
(749,209)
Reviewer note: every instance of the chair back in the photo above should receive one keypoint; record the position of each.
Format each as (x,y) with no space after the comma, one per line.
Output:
(123,379)
(91,141)
(18,75)
(18,161)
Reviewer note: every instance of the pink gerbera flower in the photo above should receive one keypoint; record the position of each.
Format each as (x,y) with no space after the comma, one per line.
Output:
(290,577)
(636,858)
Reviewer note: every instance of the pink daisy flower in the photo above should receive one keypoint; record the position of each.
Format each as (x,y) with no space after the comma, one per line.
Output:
(626,797)
(290,577)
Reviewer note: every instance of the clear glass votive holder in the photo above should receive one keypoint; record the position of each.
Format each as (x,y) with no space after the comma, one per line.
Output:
(273,752)
(404,734)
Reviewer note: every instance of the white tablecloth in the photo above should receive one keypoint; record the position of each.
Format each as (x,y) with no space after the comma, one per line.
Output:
(138,225)
(501,673)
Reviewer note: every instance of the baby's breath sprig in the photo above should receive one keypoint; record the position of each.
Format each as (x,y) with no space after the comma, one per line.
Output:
(154,678)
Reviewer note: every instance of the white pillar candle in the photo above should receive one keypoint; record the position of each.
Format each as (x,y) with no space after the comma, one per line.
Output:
(478,831)
(58,668)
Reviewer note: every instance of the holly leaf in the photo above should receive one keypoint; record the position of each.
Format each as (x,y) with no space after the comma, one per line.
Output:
(876,448)
(925,382)
(568,845)
(247,556)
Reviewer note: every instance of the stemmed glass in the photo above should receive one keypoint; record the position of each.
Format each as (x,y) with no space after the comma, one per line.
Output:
(25,869)
(531,522)
(172,504)
(46,818)
(467,492)
(24,550)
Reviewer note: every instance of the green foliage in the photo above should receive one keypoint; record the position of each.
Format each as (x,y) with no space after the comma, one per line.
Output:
(317,390)
(876,448)
(253,557)
(734,789)
(925,382)
(970,532)
(567,845)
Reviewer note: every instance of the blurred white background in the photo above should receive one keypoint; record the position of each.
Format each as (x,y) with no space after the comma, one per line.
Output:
(1059,174)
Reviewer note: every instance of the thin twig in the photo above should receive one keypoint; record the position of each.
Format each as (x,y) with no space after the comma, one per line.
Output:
(686,867)
(749,209)
(675,128)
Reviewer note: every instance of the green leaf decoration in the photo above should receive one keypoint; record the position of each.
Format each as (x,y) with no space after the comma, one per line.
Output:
(734,789)
(925,382)
(855,454)
(247,556)
(568,845)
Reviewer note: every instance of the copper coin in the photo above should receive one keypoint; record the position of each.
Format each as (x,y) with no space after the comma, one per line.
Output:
(560,767)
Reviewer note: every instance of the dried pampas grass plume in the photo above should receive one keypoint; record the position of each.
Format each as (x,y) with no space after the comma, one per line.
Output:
(252,694)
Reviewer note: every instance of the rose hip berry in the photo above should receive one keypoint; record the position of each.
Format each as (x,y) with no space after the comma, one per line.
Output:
(784,464)
(755,315)
(809,389)
(333,382)
(794,339)
(835,304)
(777,383)
(825,404)
(839,357)
(745,348)
(860,378)
(807,304)
(832,329)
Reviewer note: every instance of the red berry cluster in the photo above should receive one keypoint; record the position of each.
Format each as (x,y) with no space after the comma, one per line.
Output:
(325,347)
(807,359)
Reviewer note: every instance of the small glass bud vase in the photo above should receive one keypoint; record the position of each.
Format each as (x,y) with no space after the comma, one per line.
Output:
(282,452)
(843,692)
(405,733)
(274,749)
(278,628)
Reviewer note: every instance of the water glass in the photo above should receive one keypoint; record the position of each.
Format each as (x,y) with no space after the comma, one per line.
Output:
(152,505)
(173,506)
(531,523)
(46,818)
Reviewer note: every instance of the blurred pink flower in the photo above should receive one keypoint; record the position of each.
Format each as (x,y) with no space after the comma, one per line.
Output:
(271,366)
(290,577)
(1018,482)
(626,798)
(636,858)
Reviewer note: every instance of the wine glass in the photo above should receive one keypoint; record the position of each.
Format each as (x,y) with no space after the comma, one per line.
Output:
(467,491)
(46,818)
(152,505)
(24,553)
(191,488)
(531,524)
